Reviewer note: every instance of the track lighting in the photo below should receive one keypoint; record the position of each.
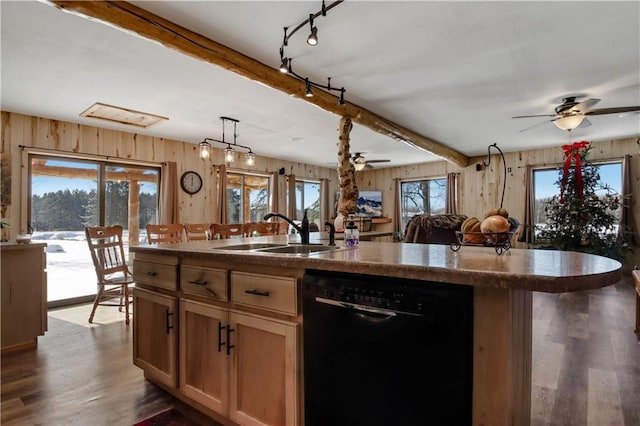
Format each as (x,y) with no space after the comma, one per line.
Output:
(230,151)
(286,62)
(308,92)
(312,40)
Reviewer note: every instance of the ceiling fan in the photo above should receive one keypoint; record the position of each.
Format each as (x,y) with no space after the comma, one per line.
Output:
(360,163)
(571,113)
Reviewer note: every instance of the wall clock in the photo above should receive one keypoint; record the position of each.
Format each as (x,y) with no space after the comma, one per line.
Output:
(191,182)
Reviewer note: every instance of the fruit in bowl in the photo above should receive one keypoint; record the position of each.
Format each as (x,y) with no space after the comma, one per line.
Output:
(495,228)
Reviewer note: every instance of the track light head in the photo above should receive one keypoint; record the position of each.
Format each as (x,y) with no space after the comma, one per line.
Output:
(312,40)
(284,66)
(308,92)
(341,100)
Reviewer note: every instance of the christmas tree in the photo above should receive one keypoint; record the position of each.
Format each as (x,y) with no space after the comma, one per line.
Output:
(583,217)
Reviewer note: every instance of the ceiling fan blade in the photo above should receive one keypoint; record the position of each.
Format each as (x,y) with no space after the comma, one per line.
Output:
(376,161)
(584,105)
(585,123)
(538,115)
(615,110)
(536,125)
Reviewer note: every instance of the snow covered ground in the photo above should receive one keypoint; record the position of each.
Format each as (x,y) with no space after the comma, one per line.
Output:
(70,271)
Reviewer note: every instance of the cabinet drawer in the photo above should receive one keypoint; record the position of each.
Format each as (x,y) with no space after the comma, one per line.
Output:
(264,291)
(204,282)
(156,274)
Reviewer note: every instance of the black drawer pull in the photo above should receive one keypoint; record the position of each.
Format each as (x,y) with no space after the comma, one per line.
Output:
(199,282)
(168,315)
(150,273)
(220,342)
(257,292)
(229,345)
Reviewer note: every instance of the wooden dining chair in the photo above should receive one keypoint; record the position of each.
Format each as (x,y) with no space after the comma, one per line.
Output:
(283,227)
(164,233)
(114,277)
(259,229)
(226,230)
(196,231)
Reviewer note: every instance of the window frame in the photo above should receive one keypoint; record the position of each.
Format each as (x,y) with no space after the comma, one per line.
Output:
(403,216)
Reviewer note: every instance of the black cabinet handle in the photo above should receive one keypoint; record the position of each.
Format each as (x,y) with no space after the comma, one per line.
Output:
(220,342)
(150,273)
(229,345)
(258,292)
(199,282)
(167,320)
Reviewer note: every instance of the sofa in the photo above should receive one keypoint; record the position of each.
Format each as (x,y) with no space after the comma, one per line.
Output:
(433,229)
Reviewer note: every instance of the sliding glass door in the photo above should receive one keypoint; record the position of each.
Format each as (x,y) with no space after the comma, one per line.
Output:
(66,195)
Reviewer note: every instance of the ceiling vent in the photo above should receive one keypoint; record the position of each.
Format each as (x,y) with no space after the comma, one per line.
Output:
(121,115)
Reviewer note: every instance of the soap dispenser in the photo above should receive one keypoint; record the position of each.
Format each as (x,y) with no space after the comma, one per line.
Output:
(351,235)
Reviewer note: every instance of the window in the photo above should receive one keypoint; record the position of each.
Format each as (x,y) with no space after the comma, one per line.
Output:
(67,195)
(545,186)
(307,197)
(247,197)
(423,197)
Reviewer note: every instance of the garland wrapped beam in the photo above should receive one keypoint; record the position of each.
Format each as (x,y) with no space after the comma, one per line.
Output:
(131,18)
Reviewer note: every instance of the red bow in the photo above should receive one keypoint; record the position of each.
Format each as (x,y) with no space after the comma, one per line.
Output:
(572,152)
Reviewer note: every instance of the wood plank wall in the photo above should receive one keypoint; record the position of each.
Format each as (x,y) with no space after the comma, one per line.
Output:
(478,191)
(64,137)
(481,190)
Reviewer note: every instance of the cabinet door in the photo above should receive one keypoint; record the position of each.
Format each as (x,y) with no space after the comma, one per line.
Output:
(154,335)
(204,363)
(24,296)
(264,371)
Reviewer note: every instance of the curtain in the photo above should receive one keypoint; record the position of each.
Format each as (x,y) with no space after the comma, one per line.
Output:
(325,202)
(169,194)
(291,191)
(451,204)
(223,211)
(274,179)
(527,232)
(627,221)
(397,208)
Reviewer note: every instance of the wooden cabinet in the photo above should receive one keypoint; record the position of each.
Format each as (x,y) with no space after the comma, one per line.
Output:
(204,363)
(155,335)
(263,375)
(241,365)
(24,295)
(237,349)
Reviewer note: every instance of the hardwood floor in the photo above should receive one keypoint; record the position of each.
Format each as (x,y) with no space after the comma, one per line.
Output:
(586,358)
(82,374)
(586,367)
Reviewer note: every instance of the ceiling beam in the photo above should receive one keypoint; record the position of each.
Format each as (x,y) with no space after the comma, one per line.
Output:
(131,18)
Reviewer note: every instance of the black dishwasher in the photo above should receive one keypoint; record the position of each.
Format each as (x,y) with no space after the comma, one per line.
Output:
(386,351)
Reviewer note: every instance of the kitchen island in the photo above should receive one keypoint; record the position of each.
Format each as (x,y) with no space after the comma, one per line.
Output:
(502,287)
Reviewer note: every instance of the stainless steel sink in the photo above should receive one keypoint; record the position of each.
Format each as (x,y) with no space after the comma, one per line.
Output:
(249,246)
(299,249)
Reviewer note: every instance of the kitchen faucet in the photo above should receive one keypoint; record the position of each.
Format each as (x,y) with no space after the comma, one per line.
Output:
(302,230)
(332,233)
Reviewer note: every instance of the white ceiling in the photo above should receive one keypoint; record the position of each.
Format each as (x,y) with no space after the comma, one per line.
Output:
(455,72)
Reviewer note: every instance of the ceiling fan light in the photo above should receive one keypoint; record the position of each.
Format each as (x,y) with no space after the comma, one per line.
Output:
(205,150)
(359,166)
(569,122)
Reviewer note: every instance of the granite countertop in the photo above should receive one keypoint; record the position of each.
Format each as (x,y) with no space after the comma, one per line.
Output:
(536,270)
